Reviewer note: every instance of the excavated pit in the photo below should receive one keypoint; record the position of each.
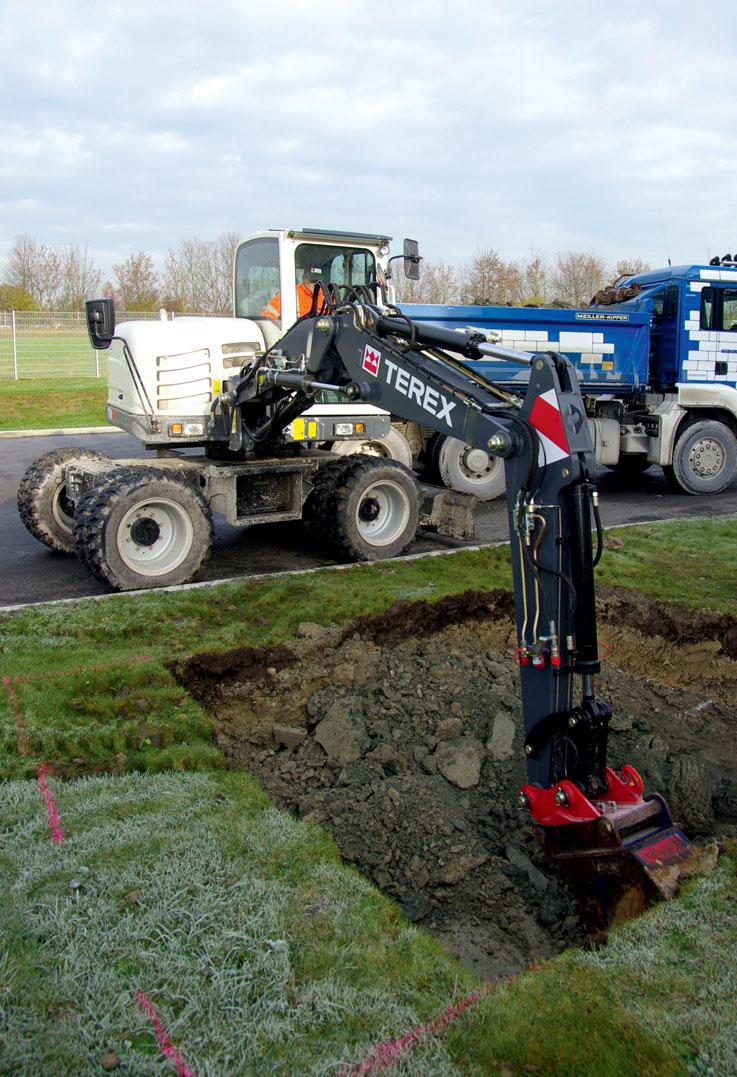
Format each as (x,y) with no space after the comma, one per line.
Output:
(402,734)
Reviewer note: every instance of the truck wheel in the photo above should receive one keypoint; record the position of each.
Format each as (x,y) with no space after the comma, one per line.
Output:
(42,502)
(704,458)
(374,510)
(470,471)
(140,528)
(393,447)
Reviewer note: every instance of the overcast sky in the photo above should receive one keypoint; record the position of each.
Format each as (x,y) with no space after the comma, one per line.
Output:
(519,125)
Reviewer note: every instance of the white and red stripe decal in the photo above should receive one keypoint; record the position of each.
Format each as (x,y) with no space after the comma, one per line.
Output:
(546,418)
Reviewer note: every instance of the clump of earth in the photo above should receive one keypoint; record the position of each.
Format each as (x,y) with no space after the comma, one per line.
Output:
(402,735)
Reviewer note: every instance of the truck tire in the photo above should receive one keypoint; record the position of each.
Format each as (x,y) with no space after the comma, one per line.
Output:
(373,509)
(704,458)
(139,528)
(393,447)
(470,471)
(42,503)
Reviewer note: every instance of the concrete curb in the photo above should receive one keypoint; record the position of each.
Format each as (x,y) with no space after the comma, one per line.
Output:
(62,431)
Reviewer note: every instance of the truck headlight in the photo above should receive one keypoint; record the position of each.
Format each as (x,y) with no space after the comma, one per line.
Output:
(346,429)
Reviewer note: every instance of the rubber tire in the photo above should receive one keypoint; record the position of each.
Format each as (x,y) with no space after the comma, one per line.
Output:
(682,474)
(317,509)
(456,476)
(100,514)
(41,490)
(393,447)
(347,490)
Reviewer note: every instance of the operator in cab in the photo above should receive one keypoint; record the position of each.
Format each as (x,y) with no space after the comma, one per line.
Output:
(305,290)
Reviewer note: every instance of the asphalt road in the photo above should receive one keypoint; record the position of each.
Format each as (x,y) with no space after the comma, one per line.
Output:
(32,573)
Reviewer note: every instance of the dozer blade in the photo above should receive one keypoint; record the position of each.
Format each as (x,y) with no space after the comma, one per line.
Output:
(619,854)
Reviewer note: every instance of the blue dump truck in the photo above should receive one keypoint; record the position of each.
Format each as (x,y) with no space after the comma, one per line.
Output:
(656,354)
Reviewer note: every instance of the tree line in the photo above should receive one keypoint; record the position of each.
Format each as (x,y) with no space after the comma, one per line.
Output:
(567,279)
(197,277)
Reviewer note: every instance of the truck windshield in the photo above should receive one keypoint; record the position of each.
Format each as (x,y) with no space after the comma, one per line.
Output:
(256,276)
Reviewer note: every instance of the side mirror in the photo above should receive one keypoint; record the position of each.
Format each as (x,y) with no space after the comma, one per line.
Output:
(412,259)
(100,322)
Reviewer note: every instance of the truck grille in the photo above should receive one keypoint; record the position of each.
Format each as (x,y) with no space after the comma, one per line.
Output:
(184,382)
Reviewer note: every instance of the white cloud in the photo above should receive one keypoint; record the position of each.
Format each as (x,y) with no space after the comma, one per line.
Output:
(477,123)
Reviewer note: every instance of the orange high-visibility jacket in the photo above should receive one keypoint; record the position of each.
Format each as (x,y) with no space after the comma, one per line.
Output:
(304,303)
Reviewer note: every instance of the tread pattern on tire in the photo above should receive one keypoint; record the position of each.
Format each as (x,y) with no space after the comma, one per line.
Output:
(317,511)
(30,492)
(95,507)
(337,516)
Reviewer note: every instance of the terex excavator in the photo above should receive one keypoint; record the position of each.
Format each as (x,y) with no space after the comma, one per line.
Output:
(612,841)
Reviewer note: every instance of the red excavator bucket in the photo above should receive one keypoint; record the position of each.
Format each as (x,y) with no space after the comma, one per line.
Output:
(619,853)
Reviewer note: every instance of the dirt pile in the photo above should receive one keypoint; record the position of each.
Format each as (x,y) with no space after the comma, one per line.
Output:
(402,735)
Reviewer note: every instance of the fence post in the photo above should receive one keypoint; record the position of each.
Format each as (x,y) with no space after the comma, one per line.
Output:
(15,346)
(97,363)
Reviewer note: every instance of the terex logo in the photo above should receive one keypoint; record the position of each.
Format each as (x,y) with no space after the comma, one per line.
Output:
(415,389)
(371,360)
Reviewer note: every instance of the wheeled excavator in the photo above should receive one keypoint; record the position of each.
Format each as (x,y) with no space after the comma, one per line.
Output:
(615,844)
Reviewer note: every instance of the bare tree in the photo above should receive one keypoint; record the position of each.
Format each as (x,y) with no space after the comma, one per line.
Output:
(577,277)
(198,275)
(535,285)
(137,285)
(438,283)
(627,267)
(487,280)
(35,268)
(80,277)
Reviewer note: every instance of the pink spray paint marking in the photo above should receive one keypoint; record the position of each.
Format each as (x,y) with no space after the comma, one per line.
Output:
(166,1047)
(17,718)
(384,1055)
(48,799)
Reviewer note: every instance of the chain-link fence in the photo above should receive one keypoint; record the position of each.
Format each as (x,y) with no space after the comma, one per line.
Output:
(51,344)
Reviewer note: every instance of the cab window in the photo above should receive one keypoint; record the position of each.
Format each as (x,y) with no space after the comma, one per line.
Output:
(719,309)
(256,277)
(729,310)
(665,303)
(706,320)
(337,265)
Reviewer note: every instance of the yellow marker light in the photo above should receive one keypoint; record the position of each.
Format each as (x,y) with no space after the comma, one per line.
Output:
(360,428)
(311,429)
(175,429)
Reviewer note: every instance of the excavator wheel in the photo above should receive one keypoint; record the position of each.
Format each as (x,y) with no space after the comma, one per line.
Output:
(138,528)
(42,502)
(316,511)
(372,509)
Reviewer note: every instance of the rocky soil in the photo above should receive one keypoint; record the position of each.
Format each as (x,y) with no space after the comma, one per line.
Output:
(402,734)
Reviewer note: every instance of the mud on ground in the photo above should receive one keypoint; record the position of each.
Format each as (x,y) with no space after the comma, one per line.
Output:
(402,734)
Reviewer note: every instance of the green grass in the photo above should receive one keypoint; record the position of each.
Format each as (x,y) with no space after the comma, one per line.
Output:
(42,403)
(263,953)
(689,562)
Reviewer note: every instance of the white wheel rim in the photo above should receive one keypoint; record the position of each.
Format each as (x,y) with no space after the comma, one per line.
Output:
(383,513)
(63,519)
(706,458)
(155,536)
